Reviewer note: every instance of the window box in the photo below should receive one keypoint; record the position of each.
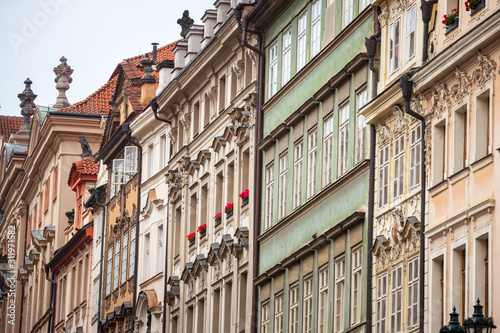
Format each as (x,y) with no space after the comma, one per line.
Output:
(218,220)
(229,209)
(478,6)
(245,201)
(202,230)
(191,242)
(229,213)
(452,26)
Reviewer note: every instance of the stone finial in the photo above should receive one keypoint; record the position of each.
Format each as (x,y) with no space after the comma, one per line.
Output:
(86,149)
(27,105)
(147,64)
(185,22)
(63,78)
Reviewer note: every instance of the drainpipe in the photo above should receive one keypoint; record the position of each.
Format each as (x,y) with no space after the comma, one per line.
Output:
(128,137)
(257,159)
(371,44)
(102,256)
(52,299)
(369,236)
(426,7)
(406,85)
(154,107)
(165,280)
(22,289)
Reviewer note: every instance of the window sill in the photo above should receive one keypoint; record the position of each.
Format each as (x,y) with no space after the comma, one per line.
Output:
(459,175)
(482,162)
(439,187)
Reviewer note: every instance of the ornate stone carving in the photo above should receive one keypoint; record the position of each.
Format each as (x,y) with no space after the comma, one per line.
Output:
(123,288)
(401,121)
(63,78)
(432,44)
(185,22)
(416,106)
(115,295)
(485,72)
(428,149)
(27,105)
(398,215)
(147,64)
(383,257)
(384,132)
(384,17)
(462,89)
(183,118)
(217,270)
(190,288)
(107,302)
(439,100)
(229,264)
(253,56)
(238,68)
(171,135)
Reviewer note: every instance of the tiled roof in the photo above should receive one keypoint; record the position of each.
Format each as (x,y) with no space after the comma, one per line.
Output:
(9,125)
(86,166)
(163,53)
(134,97)
(97,103)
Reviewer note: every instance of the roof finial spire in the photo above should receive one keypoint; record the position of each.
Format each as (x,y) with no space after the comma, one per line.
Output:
(185,22)
(147,64)
(63,78)
(27,105)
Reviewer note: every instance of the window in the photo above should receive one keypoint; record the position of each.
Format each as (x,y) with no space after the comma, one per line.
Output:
(311,174)
(458,279)
(394,47)
(287,56)
(381,303)
(363,4)
(151,161)
(439,152)
(265,318)
(297,174)
(54,183)
(282,185)
(46,196)
(460,139)
(397,297)
(131,260)
(415,149)
(163,146)
(361,99)
(339,294)
(413,300)
(343,138)
(147,244)
(130,157)
(315,27)
(124,258)
(109,268)
(399,166)
(348,12)
(481,262)
(411,17)
(356,258)
(483,145)
(117,176)
(95,297)
(294,310)
(273,69)
(327,151)
(123,169)
(116,268)
(383,191)
(278,317)
(307,310)
(269,196)
(159,263)
(195,127)
(323,301)
(301,41)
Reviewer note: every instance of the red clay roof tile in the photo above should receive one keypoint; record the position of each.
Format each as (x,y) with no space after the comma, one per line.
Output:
(86,166)
(9,125)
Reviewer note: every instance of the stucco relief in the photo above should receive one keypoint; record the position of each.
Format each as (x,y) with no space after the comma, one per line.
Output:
(253,56)
(440,103)
(384,132)
(416,105)
(401,120)
(238,68)
(485,72)
(462,89)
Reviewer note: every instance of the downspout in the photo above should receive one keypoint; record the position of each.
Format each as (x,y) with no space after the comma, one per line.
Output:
(52,299)
(22,289)
(371,204)
(371,44)
(406,85)
(257,158)
(128,137)
(154,107)
(165,280)
(426,7)
(102,256)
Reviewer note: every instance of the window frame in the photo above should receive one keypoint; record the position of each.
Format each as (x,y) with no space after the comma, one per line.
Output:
(397,299)
(286,60)
(398,180)
(315,28)
(383,187)
(413,293)
(312,156)
(410,35)
(415,155)
(283,173)
(327,150)
(307,305)
(343,154)
(268,217)
(381,324)
(339,299)
(394,45)
(301,40)
(298,165)
(356,275)
(361,100)
(273,69)
(294,309)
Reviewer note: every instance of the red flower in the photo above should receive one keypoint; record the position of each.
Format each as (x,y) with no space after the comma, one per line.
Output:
(448,19)
(244,194)
(201,227)
(228,207)
(190,237)
(218,215)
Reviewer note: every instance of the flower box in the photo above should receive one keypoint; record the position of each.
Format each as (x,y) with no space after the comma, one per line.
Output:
(474,5)
(229,209)
(245,201)
(245,197)
(452,25)
(202,229)
(218,218)
(191,238)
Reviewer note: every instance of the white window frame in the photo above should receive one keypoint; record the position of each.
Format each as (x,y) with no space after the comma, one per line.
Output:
(301,40)
(348,12)
(312,162)
(151,161)
(130,158)
(163,147)
(109,270)
(361,100)
(159,251)
(323,301)
(397,299)
(286,62)
(95,296)
(131,261)
(413,293)
(116,268)
(117,176)
(382,304)
(363,4)
(327,150)
(265,317)
(343,138)
(124,258)
(394,45)
(339,295)
(307,305)
(278,314)
(294,310)
(273,69)
(298,158)
(315,28)
(356,264)
(147,248)
(269,196)
(283,166)
(410,38)
(383,187)
(399,166)
(415,158)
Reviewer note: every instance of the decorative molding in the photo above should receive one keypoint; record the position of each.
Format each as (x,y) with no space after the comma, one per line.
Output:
(384,132)
(485,72)
(463,88)
(401,121)
(440,103)
(238,68)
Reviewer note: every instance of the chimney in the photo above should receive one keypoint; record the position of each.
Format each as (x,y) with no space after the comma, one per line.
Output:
(165,70)
(63,78)
(209,19)
(194,38)
(222,7)
(179,51)
(148,80)
(155,51)
(27,105)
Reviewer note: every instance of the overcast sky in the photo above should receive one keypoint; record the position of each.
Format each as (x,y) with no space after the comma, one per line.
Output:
(95,35)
